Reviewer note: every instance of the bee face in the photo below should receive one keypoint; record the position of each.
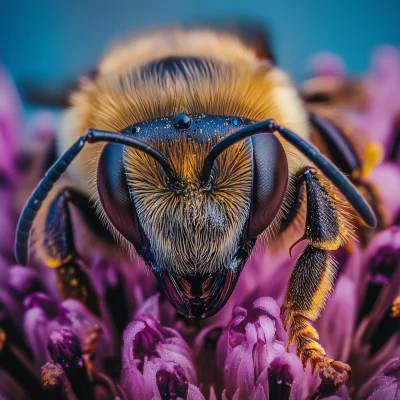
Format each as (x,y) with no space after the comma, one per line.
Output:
(194,236)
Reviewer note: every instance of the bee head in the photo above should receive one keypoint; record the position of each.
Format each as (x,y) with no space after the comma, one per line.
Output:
(195,235)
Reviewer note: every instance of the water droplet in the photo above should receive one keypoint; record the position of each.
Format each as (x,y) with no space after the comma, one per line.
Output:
(236,121)
(182,121)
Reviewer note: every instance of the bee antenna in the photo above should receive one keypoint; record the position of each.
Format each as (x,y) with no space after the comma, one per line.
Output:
(349,191)
(260,127)
(54,173)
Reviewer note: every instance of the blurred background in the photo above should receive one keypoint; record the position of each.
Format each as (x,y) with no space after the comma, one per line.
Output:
(53,42)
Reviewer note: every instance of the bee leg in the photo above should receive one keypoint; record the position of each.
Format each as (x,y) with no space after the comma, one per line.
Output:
(60,251)
(313,275)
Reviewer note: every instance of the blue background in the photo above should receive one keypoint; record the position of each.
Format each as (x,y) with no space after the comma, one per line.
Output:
(53,41)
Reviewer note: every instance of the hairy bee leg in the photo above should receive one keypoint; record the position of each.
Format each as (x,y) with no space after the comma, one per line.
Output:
(306,293)
(313,275)
(60,250)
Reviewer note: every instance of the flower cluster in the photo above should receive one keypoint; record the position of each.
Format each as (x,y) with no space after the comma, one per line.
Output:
(142,349)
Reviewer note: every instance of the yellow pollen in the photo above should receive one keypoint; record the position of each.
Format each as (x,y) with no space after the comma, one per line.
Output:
(3,338)
(56,263)
(373,156)
(396,307)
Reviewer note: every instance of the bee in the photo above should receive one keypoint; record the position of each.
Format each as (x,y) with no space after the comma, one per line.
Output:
(196,148)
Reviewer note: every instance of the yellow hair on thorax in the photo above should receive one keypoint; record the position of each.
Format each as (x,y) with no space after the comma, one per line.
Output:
(238,84)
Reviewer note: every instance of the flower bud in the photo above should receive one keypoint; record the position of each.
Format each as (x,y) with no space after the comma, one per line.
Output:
(171,381)
(253,357)
(64,348)
(24,281)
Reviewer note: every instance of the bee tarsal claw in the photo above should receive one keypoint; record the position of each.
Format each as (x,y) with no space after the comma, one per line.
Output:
(334,372)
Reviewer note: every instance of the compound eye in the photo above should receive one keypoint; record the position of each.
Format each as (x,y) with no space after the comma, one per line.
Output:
(270,182)
(114,194)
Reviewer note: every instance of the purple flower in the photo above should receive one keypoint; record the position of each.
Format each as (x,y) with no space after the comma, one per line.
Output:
(65,349)
(384,385)
(357,326)
(149,354)
(43,315)
(24,281)
(252,354)
(389,201)
(210,376)
(171,381)
(44,302)
(377,335)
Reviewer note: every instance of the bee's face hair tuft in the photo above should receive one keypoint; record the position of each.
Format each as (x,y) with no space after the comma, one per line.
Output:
(192,229)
